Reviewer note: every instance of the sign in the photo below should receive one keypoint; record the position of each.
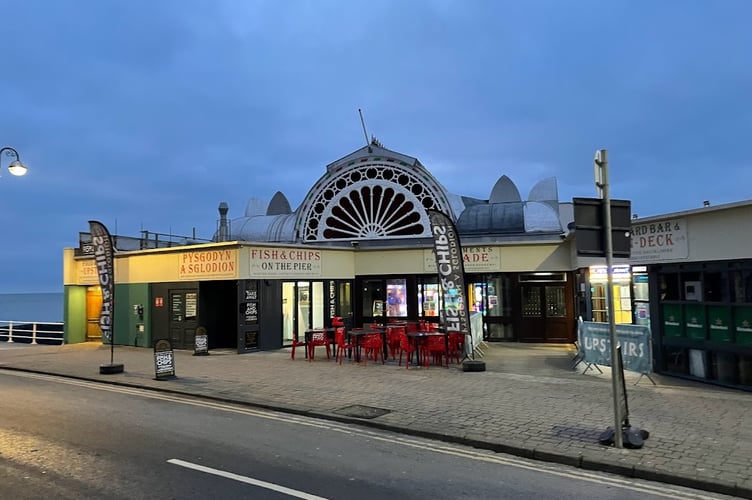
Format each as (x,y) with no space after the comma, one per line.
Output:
(87,272)
(659,241)
(208,264)
(589,227)
(201,342)
(449,266)
(250,311)
(158,301)
(595,342)
(104,255)
(285,262)
(474,259)
(191,305)
(164,359)
(251,340)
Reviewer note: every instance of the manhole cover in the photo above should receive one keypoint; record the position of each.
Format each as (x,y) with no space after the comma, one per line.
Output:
(360,411)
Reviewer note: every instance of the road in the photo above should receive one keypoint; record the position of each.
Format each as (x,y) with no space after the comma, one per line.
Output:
(65,438)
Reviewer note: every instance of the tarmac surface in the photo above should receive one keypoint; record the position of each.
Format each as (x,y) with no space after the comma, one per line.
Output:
(529,402)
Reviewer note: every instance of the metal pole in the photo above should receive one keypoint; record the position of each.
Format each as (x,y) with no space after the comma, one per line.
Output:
(602,159)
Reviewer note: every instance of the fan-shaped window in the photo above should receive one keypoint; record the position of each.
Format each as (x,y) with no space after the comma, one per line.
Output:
(371,200)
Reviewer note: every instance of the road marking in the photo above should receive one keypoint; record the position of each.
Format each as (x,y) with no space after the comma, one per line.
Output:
(247,480)
(660,489)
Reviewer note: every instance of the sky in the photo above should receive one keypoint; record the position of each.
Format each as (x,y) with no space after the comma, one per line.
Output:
(147,114)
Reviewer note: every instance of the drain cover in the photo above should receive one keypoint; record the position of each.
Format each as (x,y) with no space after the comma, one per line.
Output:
(360,411)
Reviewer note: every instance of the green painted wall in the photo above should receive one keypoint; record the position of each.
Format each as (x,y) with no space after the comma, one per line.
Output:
(74,314)
(127,321)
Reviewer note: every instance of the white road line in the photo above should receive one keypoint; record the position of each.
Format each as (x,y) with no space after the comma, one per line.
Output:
(659,489)
(246,480)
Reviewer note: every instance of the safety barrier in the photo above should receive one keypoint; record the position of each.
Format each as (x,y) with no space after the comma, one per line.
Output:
(31,332)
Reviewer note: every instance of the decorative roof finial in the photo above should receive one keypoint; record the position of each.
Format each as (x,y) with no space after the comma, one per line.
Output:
(375,142)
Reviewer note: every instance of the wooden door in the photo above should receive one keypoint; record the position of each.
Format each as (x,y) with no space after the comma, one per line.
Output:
(545,313)
(93,308)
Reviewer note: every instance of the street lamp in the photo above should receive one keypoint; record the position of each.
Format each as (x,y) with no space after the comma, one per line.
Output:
(16,167)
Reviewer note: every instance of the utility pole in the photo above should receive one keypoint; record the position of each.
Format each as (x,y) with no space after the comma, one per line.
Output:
(601,184)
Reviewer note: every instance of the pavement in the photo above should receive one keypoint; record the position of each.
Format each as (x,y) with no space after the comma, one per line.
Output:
(529,402)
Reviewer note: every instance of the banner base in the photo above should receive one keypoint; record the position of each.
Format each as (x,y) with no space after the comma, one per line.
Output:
(632,437)
(111,368)
(473,365)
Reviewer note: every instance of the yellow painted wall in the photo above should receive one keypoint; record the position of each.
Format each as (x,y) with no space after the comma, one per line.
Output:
(221,261)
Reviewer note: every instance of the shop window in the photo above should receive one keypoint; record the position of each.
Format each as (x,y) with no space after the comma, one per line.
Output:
(741,286)
(429,299)
(343,296)
(499,295)
(745,370)
(691,287)
(715,284)
(723,367)
(676,360)
(500,331)
(396,298)
(669,286)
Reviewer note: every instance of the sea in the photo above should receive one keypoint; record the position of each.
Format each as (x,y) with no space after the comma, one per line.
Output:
(31,307)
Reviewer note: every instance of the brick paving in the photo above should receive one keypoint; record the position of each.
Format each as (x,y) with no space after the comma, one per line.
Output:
(529,402)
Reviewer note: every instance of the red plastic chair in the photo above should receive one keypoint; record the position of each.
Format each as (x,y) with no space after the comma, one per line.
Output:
(319,338)
(406,347)
(436,349)
(393,339)
(456,346)
(295,343)
(340,339)
(372,345)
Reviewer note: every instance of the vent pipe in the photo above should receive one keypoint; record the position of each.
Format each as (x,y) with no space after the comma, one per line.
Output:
(223,224)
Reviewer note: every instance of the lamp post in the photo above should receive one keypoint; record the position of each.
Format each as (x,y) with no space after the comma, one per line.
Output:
(16,167)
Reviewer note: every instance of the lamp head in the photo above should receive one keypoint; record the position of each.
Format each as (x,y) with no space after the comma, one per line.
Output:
(17,168)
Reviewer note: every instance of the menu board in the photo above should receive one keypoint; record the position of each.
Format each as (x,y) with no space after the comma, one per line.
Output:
(251,313)
(251,340)
(176,307)
(191,305)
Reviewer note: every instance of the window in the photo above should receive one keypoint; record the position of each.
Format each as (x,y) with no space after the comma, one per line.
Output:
(556,304)
(741,283)
(396,298)
(669,286)
(499,294)
(429,299)
(716,286)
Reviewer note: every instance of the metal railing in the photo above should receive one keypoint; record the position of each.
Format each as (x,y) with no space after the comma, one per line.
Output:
(31,332)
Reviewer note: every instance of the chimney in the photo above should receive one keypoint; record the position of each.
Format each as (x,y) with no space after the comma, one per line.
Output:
(223,225)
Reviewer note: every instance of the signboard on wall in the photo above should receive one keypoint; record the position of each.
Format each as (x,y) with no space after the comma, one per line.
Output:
(285,262)
(222,263)
(87,272)
(659,241)
(475,259)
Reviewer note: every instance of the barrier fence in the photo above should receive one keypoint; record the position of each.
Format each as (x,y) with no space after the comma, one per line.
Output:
(594,346)
(31,332)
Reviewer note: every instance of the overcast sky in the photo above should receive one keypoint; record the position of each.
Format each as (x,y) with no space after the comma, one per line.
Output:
(147,114)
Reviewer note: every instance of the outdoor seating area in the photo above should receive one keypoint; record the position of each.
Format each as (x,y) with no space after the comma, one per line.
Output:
(416,343)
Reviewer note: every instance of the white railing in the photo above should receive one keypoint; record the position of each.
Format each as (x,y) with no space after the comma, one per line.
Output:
(31,331)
